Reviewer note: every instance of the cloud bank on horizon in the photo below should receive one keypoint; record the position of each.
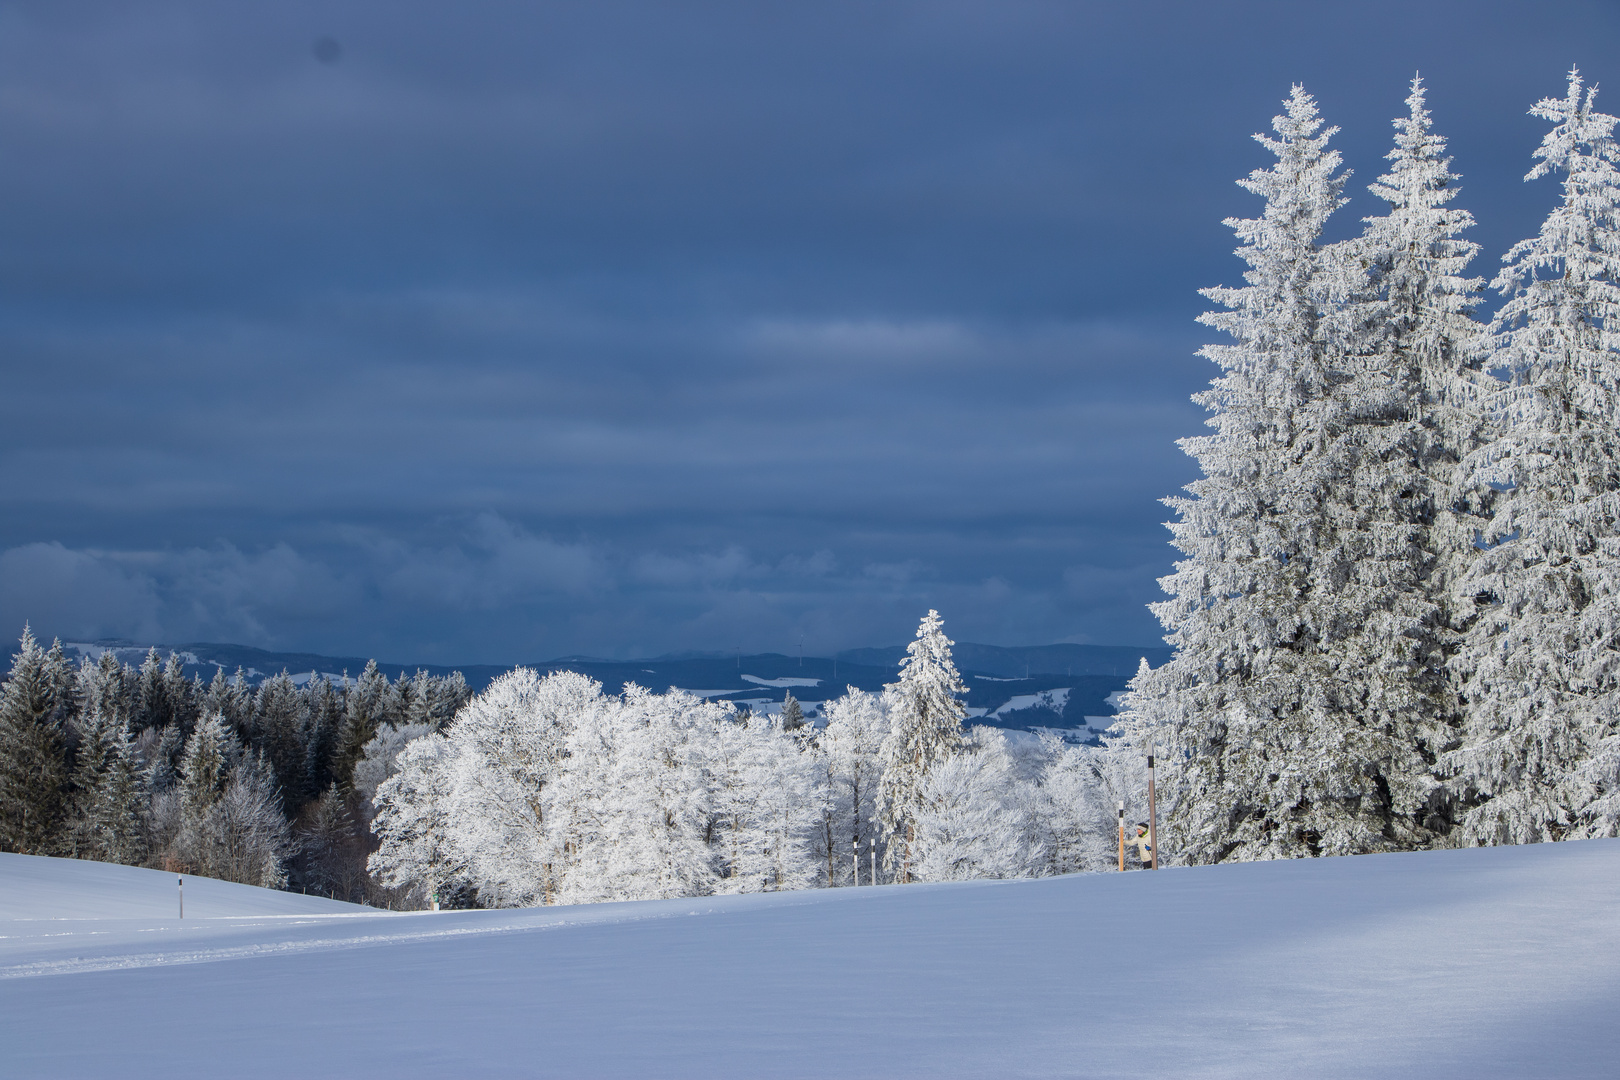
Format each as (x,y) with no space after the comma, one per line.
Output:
(514,330)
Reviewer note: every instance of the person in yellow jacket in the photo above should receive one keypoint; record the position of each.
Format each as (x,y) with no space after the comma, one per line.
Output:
(1144,850)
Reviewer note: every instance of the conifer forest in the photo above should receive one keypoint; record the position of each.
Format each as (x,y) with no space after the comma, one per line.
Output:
(1395,620)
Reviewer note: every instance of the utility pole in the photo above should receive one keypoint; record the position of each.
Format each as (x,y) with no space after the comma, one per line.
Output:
(1122,835)
(1153,813)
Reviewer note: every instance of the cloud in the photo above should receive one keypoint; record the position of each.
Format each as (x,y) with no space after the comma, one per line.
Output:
(76,593)
(217,593)
(536,329)
(495,563)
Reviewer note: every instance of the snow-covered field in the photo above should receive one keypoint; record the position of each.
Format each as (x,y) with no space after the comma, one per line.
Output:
(1480,963)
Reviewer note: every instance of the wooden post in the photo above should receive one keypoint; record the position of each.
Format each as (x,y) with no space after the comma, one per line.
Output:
(1122,835)
(1153,814)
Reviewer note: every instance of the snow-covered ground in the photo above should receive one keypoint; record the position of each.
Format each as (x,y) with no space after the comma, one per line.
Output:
(1480,963)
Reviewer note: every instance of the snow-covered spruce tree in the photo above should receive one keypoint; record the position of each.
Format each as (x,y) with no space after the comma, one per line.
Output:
(330,855)
(210,754)
(230,820)
(34,764)
(281,732)
(109,789)
(1290,707)
(925,728)
(370,703)
(792,713)
(1543,659)
(1402,512)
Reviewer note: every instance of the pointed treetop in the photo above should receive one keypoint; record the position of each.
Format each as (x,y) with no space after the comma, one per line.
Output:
(1576,124)
(930,651)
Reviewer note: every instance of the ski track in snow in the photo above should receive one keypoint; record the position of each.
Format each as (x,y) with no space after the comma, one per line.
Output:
(120,961)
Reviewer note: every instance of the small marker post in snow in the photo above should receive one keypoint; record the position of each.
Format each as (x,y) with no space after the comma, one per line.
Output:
(871,845)
(1153,815)
(180,886)
(855,858)
(1122,836)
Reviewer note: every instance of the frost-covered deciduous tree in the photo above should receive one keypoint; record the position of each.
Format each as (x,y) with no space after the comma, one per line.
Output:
(547,790)
(224,818)
(656,817)
(416,852)
(1543,659)
(379,757)
(974,819)
(849,751)
(925,728)
(245,836)
(767,798)
(1077,819)
(508,747)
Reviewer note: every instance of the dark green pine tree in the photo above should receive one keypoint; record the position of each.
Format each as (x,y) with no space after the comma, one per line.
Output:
(281,734)
(792,714)
(325,728)
(180,695)
(151,701)
(110,792)
(34,761)
(366,706)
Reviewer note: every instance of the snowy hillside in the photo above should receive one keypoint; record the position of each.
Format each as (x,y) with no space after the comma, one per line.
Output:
(34,888)
(1499,962)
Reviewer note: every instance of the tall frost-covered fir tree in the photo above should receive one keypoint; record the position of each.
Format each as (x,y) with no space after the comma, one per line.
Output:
(1404,513)
(925,728)
(1543,659)
(1292,707)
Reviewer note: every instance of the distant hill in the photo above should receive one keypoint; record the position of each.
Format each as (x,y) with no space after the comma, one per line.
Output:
(1029,688)
(1011,661)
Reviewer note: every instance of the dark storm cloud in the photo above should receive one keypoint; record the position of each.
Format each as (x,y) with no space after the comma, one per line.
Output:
(505,330)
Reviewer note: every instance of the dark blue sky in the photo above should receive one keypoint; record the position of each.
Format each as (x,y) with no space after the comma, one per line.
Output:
(520,329)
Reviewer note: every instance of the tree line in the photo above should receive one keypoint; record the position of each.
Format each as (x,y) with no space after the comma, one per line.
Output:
(538,790)
(144,766)
(546,790)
